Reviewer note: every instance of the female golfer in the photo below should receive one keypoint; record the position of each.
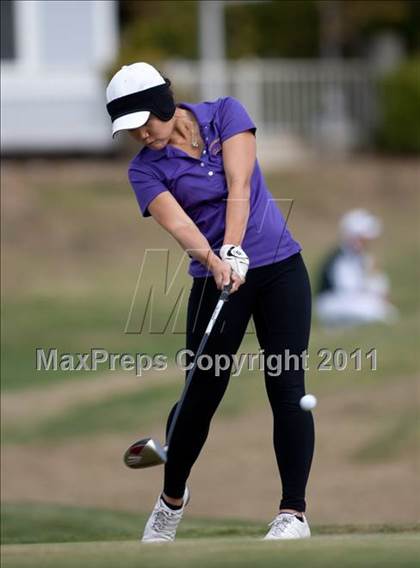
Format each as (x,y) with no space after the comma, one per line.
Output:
(198,176)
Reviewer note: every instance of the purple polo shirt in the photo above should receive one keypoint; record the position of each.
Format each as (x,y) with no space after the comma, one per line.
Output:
(199,185)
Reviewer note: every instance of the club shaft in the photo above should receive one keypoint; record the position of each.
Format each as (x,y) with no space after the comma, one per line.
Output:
(223,297)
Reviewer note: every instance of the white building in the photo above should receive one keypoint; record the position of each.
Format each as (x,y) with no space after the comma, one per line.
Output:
(54,58)
(55,55)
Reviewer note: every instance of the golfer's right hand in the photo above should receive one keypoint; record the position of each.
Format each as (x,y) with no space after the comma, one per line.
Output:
(223,274)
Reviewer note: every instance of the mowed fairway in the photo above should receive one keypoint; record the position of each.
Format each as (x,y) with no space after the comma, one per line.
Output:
(46,536)
(319,551)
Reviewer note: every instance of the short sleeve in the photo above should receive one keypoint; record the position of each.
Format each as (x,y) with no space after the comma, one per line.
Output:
(233,118)
(146,186)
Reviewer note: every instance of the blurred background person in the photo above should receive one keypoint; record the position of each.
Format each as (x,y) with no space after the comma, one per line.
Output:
(351,290)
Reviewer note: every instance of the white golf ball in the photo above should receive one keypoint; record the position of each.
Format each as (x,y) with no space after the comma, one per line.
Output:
(308,402)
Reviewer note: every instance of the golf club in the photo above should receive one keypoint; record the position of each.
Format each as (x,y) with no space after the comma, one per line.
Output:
(148,452)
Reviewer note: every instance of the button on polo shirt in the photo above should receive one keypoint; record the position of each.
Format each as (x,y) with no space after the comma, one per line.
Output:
(199,186)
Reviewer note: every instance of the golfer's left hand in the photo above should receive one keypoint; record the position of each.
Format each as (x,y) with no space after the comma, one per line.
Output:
(236,257)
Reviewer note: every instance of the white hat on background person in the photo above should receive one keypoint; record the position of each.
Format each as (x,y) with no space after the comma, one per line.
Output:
(359,223)
(134,92)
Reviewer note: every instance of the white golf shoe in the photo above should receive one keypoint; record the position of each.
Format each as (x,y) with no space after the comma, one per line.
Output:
(163,522)
(288,525)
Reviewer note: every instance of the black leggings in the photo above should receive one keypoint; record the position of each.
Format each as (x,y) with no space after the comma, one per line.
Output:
(278,297)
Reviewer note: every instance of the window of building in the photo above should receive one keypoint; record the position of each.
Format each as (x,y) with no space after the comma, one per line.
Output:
(7,29)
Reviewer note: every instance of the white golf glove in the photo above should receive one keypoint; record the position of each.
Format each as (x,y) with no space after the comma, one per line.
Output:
(236,257)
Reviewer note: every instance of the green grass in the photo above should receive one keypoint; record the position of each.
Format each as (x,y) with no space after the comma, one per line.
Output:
(350,551)
(400,435)
(74,327)
(40,523)
(121,413)
(34,523)
(126,411)
(395,345)
(70,326)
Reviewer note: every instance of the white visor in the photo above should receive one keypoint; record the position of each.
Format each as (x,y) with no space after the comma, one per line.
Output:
(128,121)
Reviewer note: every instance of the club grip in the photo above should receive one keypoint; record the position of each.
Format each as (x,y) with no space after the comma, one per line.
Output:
(226,290)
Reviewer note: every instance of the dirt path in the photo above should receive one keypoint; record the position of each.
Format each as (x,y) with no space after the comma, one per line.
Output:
(236,475)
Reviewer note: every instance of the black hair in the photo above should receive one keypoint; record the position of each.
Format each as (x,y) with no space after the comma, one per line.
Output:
(168,82)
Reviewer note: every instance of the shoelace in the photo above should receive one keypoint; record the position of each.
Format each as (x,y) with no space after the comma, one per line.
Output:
(280,523)
(165,521)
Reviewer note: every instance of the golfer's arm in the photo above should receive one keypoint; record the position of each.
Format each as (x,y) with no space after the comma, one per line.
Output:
(239,154)
(169,214)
